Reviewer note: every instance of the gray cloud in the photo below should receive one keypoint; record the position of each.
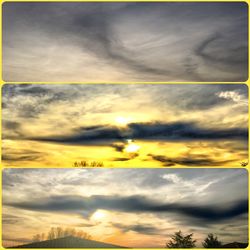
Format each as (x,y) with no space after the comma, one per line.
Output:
(189,160)
(22,155)
(178,131)
(138,46)
(132,204)
(143,229)
(199,97)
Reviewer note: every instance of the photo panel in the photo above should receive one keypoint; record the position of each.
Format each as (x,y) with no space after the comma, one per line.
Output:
(124,125)
(132,208)
(125,41)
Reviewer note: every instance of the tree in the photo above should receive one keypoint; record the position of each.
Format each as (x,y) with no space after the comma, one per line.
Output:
(83,235)
(36,238)
(59,232)
(51,234)
(178,240)
(42,236)
(211,242)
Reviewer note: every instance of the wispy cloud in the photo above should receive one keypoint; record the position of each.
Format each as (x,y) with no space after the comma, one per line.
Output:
(169,124)
(143,205)
(119,42)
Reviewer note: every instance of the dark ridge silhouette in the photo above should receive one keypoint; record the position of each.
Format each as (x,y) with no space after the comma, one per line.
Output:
(69,242)
(235,245)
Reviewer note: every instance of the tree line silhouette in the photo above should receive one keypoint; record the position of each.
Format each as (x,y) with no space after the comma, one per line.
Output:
(179,240)
(59,232)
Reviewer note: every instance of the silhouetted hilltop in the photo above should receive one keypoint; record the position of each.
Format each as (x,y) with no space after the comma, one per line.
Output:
(235,245)
(69,242)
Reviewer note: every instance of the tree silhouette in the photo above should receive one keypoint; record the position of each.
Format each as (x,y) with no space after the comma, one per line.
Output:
(59,232)
(178,240)
(36,238)
(211,242)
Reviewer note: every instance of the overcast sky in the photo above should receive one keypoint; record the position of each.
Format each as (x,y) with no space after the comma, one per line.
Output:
(128,207)
(125,41)
(125,125)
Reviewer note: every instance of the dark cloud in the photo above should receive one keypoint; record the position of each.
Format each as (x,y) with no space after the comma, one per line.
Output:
(119,147)
(190,160)
(11,129)
(130,157)
(12,125)
(142,229)
(184,131)
(23,155)
(15,158)
(11,219)
(33,90)
(41,96)
(133,204)
(227,59)
(178,131)
(121,159)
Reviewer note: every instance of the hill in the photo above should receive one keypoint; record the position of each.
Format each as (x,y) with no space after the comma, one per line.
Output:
(235,245)
(69,242)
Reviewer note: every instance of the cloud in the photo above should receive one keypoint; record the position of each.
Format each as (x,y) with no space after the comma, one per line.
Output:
(177,131)
(227,58)
(121,38)
(232,95)
(142,229)
(11,219)
(189,160)
(12,129)
(125,158)
(132,204)
(196,97)
(21,155)
(15,157)
(29,101)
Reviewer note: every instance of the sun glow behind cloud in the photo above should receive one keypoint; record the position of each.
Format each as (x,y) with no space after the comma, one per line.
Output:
(98,215)
(120,206)
(160,125)
(122,121)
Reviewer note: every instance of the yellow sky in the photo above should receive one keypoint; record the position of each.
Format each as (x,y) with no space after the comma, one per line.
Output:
(125,125)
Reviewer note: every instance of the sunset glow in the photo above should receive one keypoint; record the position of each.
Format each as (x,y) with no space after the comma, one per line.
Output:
(127,207)
(160,125)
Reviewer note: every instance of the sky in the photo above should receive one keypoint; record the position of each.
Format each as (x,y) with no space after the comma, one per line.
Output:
(124,125)
(81,42)
(127,207)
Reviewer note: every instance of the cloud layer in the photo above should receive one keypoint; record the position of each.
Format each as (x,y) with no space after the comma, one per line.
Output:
(130,207)
(186,125)
(99,135)
(119,42)
(133,204)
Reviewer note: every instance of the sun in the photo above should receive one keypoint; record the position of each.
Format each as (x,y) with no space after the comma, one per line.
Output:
(132,147)
(98,215)
(122,121)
